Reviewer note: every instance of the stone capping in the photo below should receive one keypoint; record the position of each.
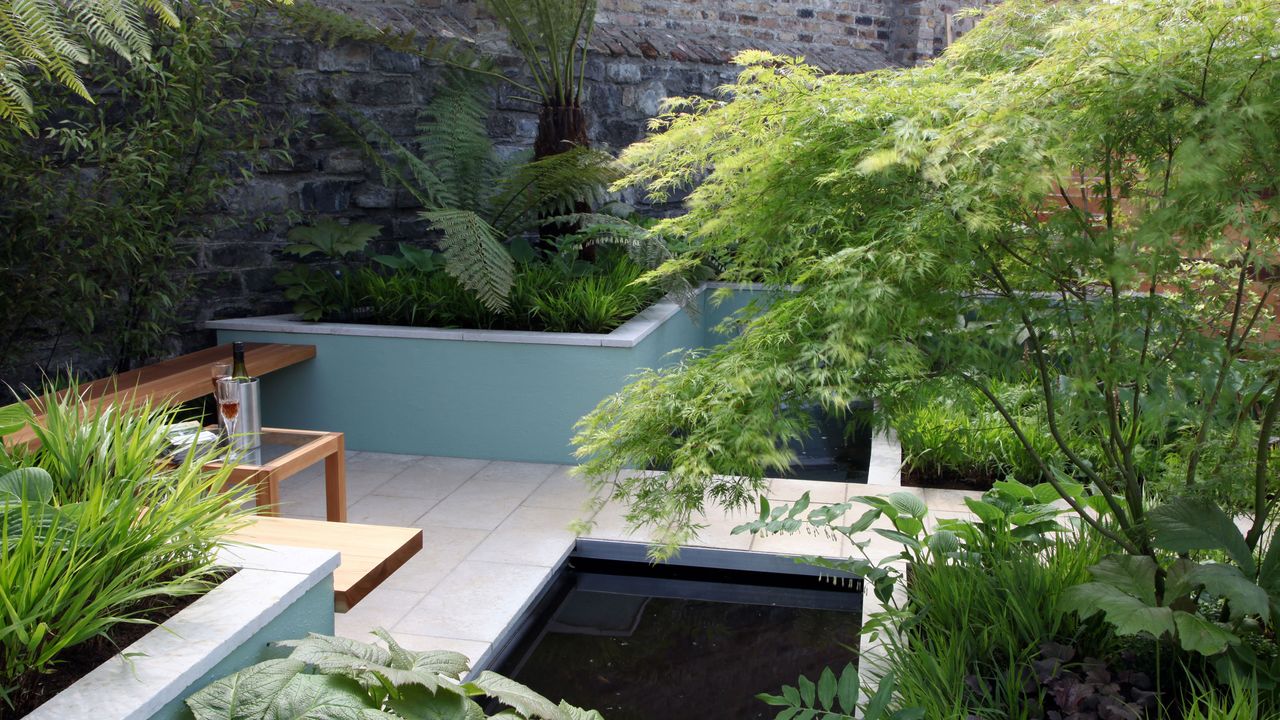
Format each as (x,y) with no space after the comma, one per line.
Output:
(627,335)
(162,666)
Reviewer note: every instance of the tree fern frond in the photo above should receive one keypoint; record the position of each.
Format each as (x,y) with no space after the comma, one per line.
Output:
(39,34)
(454,141)
(474,255)
(396,164)
(553,186)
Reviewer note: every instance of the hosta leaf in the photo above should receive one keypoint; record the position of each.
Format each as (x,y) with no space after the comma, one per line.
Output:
(909,504)
(1187,524)
(1126,613)
(985,511)
(510,692)
(1226,581)
(32,484)
(12,419)
(1197,634)
(942,542)
(1133,574)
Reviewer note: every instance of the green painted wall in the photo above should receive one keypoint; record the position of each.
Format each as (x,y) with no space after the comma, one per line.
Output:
(499,401)
(312,613)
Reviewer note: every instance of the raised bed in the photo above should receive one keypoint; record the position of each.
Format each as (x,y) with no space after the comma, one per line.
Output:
(276,594)
(493,394)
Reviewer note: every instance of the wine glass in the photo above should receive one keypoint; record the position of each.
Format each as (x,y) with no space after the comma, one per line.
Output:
(228,396)
(218,371)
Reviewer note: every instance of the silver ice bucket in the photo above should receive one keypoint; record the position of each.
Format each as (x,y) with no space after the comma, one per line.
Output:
(248,435)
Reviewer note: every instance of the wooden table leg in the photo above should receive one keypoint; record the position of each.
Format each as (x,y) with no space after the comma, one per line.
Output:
(335,483)
(268,498)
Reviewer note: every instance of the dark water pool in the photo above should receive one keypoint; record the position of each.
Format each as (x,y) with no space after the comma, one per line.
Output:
(693,640)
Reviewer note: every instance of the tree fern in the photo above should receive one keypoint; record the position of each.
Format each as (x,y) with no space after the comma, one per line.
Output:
(51,37)
(553,186)
(475,254)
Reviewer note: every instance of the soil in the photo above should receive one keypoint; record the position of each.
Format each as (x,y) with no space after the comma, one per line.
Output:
(949,479)
(76,662)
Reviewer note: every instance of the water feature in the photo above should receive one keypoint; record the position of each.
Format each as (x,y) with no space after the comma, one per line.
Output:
(692,639)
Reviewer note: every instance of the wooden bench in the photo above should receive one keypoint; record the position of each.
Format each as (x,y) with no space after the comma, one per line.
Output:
(370,553)
(181,379)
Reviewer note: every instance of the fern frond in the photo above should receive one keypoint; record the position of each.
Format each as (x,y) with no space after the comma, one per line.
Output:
(553,186)
(454,141)
(474,255)
(41,35)
(396,164)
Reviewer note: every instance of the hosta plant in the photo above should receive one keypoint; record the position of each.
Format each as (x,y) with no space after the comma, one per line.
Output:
(341,679)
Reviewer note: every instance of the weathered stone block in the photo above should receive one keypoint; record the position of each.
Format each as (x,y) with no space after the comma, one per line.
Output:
(371,196)
(624,72)
(346,57)
(325,196)
(344,161)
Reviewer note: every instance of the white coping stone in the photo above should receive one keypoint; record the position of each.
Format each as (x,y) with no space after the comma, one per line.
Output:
(166,661)
(627,335)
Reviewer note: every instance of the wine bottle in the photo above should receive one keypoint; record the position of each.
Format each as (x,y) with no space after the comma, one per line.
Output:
(237,361)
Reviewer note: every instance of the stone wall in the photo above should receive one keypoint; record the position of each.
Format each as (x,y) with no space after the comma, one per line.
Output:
(642,52)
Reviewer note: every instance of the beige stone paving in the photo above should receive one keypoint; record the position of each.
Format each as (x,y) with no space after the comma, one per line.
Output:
(493,532)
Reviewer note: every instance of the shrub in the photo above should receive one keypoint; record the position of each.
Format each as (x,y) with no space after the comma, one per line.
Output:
(364,681)
(96,529)
(97,212)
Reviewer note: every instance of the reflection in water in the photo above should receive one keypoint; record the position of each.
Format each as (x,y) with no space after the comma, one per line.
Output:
(636,657)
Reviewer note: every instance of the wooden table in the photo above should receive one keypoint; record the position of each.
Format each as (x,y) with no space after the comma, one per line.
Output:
(370,553)
(288,452)
(176,381)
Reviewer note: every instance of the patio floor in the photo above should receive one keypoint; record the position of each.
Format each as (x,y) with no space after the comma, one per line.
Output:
(494,530)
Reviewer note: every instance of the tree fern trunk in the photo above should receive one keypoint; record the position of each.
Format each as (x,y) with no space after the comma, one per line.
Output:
(560,129)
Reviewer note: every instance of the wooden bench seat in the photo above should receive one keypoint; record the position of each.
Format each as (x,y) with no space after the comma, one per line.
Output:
(370,553)
(183,378)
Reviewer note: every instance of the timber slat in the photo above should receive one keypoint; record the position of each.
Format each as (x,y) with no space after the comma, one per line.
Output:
(181,379)
(370,553)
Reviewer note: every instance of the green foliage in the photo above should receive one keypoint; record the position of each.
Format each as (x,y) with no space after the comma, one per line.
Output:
(415,288)
(996,577)
(552,36)
(54,39)
(952,432)
(95,528)
(97,214)
(1237,701)
(477,202)
(1077,192)
(343,679)
(834,698)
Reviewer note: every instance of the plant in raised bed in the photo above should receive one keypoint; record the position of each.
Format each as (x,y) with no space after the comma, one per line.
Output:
(1072,193)
(98,535)
(342,679)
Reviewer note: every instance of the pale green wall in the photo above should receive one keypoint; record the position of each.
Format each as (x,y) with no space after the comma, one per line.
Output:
(311,613)
(500,401)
